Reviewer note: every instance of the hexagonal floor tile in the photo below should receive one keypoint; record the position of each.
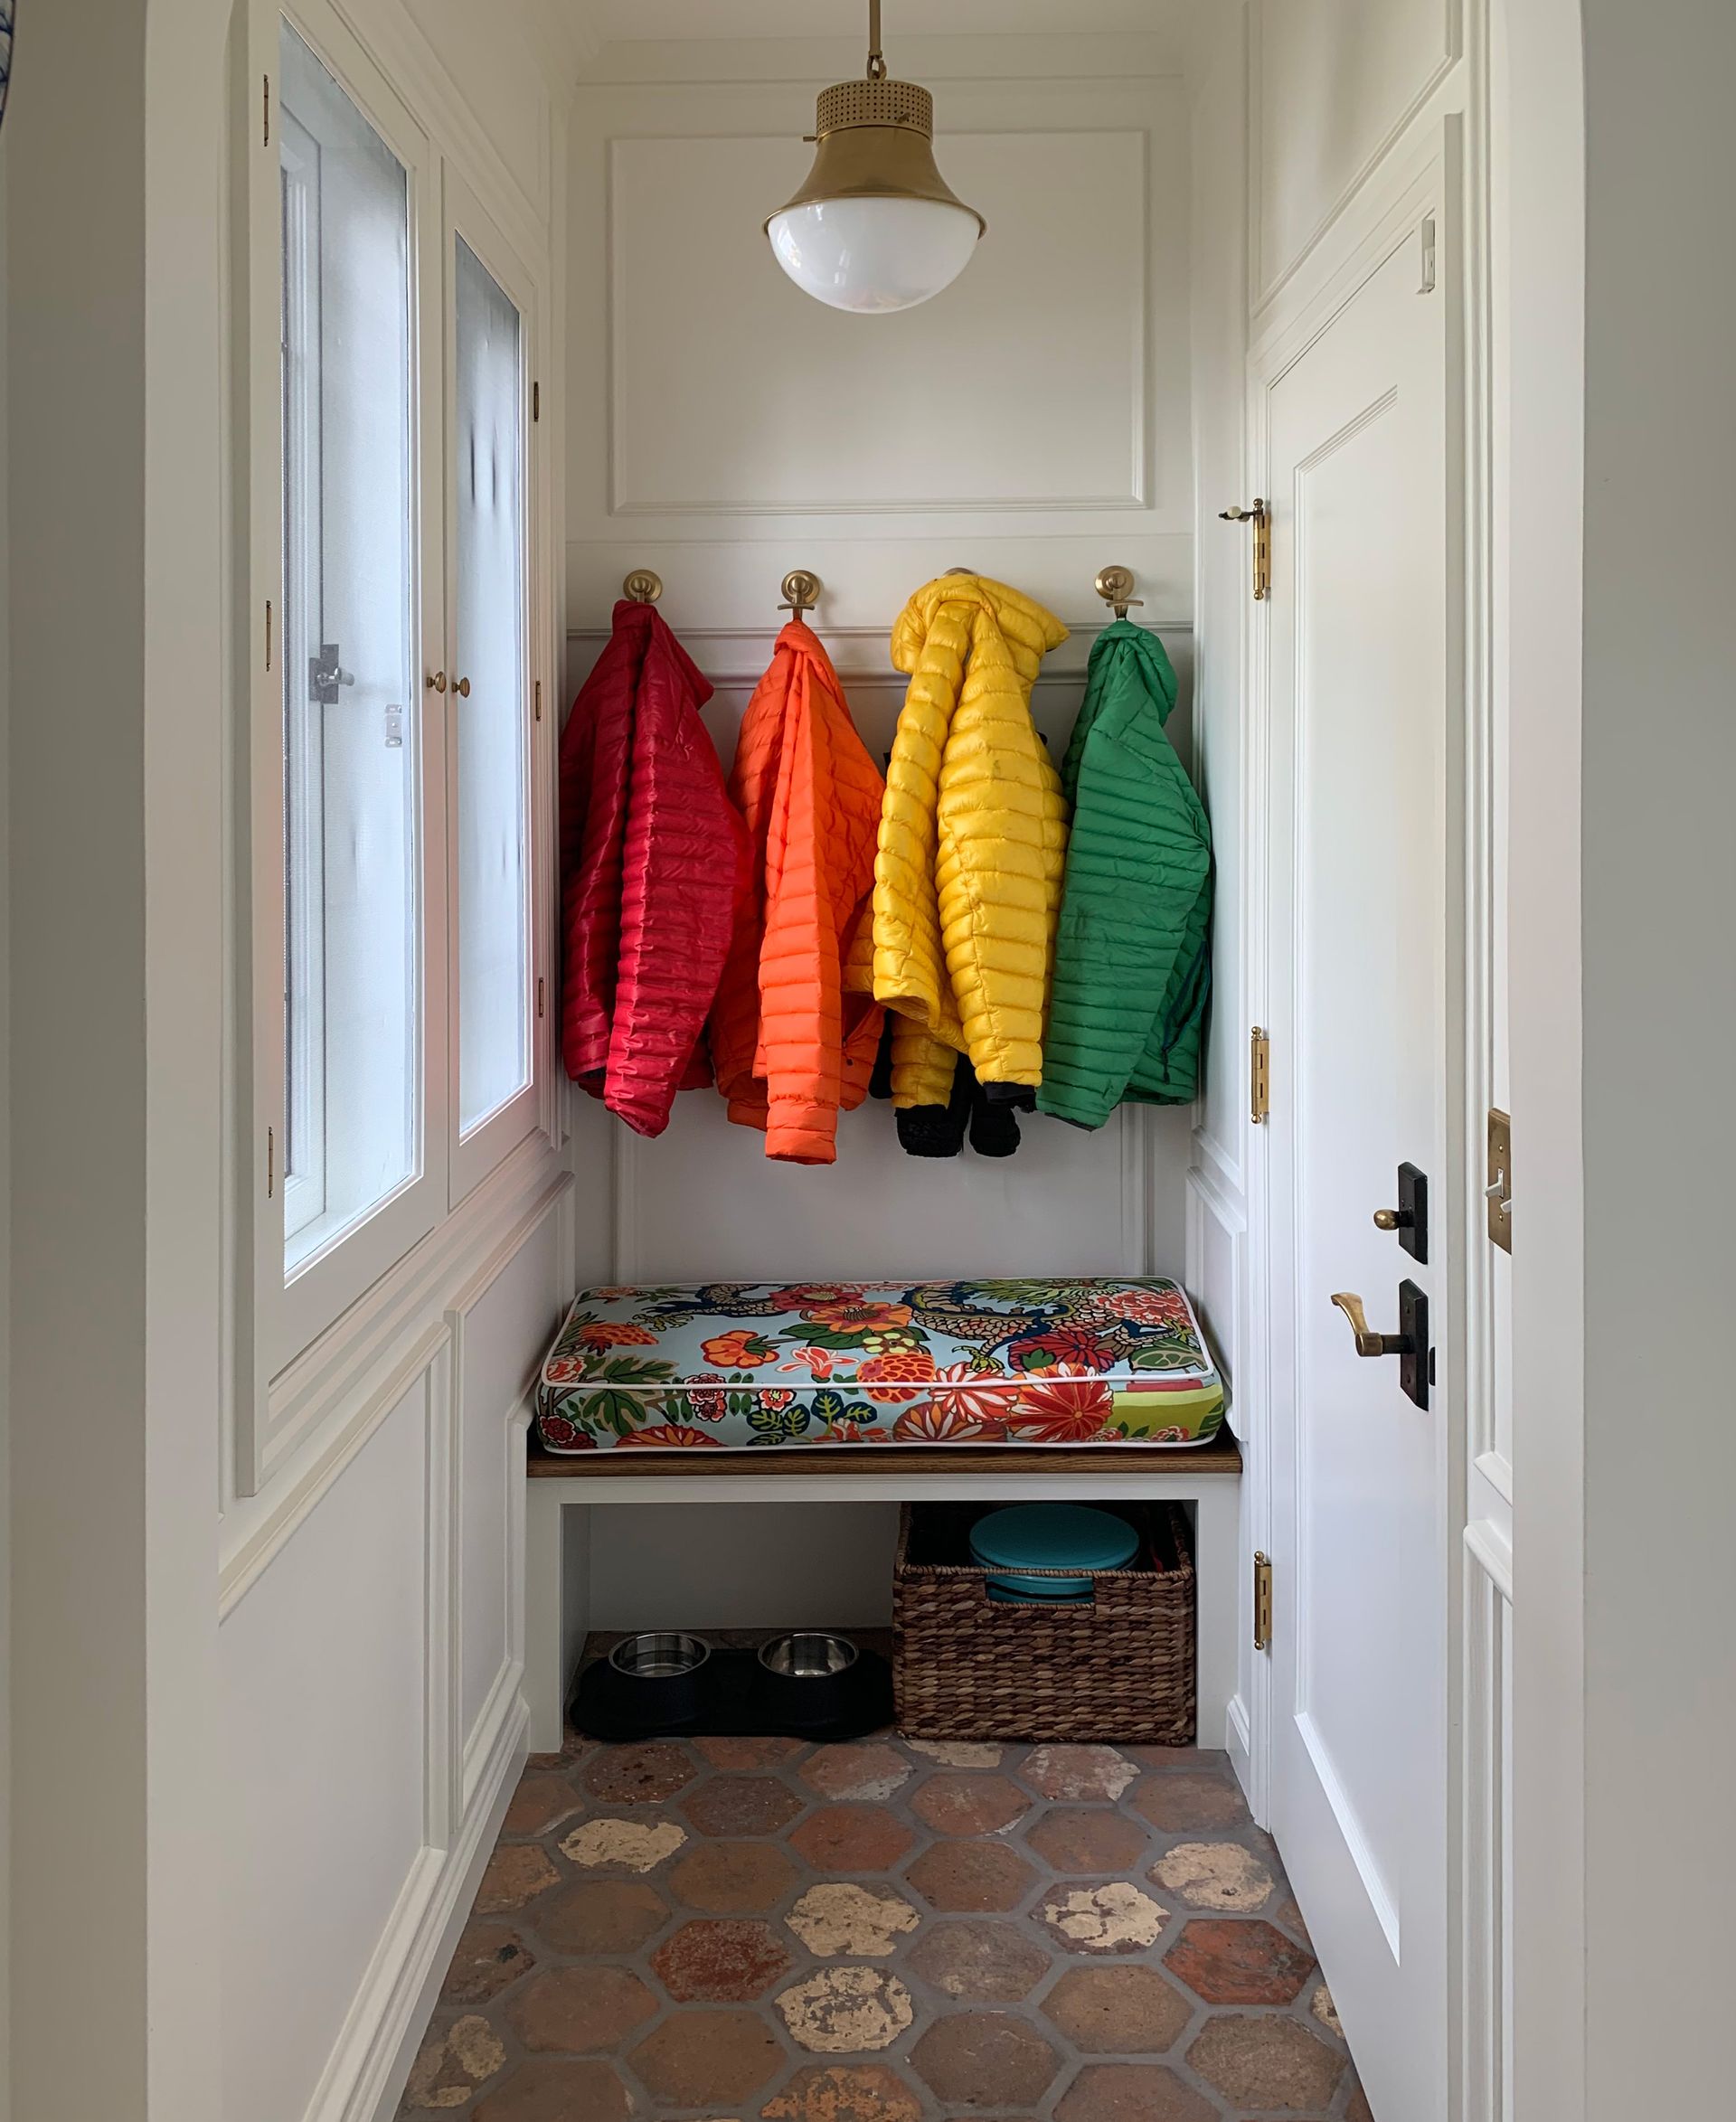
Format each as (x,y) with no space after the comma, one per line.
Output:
(517,1873)
(957,1802)
(1087,1838)
(1083,1774)
(452,2063)
(852,1838)
(741,1805)
(705,2059)
(1240,1963)
(1215,1875)
(985,1961)
(1114,1916)
(546,2090)
(739,1754)
(981,2059)
(971,1878)
(539,1803)
(847,2011)
(1127,2011)
(839,1919)
(866,1769)
(581,2011)
(598,1919)
(1267,2062)
(732,1878)
(1185,1801)
(489,1957)
(725,1961)
(640,1774)
(618,1847)
(1132,2092)
(844,2092)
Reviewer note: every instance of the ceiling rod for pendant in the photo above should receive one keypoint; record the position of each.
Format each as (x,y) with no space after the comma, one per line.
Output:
(876,56)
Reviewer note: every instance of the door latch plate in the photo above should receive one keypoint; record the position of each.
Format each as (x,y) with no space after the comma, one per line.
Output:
(1416,1367)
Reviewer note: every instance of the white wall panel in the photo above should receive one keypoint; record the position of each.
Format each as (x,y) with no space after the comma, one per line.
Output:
(787,406)
(501,1334)
(1333,83)
(725,1565)
(324,1742)
(1031,423)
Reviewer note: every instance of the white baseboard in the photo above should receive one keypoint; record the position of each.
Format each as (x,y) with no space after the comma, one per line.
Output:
(1239,1739)
(365,2076)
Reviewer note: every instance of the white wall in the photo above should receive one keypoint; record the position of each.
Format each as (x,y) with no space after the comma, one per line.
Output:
(6,1214)
(370,1724)
(1030,422)
(1659,994)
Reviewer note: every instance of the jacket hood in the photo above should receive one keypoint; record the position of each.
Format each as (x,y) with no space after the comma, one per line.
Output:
(1029,630)
(645,621)
(1143,655)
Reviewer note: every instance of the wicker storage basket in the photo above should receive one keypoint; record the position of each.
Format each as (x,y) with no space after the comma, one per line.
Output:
(966,1666)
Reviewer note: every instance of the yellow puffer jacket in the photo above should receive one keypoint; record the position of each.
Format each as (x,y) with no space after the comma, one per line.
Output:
(973,841)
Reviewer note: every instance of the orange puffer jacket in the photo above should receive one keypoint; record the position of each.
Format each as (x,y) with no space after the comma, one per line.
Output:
(789,1046)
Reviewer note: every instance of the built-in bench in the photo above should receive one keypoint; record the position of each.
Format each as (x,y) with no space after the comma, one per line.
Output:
(563,1491)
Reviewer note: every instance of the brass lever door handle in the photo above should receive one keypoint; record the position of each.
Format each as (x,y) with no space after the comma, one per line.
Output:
(1369,1343)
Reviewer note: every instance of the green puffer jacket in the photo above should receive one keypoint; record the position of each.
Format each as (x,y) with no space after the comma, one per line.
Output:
(1132,956)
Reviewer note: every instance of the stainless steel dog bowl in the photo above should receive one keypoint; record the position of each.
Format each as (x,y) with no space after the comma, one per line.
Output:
(659,1654)
(808,1655)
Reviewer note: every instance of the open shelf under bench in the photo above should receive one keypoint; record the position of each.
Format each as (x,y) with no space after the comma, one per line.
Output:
(563,1490)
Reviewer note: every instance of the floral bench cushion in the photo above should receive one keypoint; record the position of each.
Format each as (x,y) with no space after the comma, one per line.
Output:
(737,1365)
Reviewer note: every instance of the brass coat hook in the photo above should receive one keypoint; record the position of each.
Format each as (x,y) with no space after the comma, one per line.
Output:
(801,591)
(643,586)
(1115,587)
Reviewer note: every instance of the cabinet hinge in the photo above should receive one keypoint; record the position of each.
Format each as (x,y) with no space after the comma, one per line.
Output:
(1498,1193)
(536,401)
(1259,1077)
(1260,517)
(1427,285)
(541,994)
(536,694)
(271,1163)
(265,100)
(1262,1601)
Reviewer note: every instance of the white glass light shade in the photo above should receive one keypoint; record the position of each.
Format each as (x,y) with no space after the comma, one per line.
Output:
(874,254)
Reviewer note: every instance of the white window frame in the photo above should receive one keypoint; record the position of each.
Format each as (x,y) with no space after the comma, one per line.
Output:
(281,1324)
(472,1156)
(280,1314)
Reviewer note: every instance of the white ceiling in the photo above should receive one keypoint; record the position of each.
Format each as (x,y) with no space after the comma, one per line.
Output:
(617,21)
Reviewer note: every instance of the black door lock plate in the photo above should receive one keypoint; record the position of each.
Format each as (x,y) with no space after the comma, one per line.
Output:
(1416,1358)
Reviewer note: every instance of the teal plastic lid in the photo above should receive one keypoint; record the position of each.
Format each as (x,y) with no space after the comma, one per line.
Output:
(1053,1536)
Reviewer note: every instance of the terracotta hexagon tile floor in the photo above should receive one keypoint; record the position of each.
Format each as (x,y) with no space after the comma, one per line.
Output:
(756,1930)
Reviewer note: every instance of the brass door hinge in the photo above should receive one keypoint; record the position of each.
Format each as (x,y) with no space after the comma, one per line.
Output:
(1259,1077)
(536,691)
(1262,1601)
(271,1163)
(268,633)
(540,995)
(1260,516)
(536,401)
(266,101)
(1499,1192)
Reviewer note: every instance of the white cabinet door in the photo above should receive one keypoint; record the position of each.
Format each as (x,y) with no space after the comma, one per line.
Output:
(1356,432)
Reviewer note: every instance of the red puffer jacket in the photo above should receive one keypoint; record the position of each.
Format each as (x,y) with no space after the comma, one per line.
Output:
(654,859)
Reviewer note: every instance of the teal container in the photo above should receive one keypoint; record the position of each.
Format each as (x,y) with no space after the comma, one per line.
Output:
(1050,1536)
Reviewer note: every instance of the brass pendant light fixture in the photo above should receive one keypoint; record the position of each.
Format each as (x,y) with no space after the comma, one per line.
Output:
(874,227)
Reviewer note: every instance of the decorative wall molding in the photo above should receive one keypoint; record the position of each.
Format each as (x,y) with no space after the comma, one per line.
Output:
(238,1575)
(311,1389)
(1486,1816)
(1265,283)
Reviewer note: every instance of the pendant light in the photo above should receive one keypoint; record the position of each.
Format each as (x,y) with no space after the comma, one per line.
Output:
(875,227)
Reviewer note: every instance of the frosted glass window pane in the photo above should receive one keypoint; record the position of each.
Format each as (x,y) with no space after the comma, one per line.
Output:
(493,824)
(350,696)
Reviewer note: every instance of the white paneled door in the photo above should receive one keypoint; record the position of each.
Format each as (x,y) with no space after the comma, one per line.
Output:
(1357,446)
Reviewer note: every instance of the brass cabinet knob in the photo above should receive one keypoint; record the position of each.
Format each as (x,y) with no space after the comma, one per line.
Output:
(435,681)
(462,688)
(1386,1218)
